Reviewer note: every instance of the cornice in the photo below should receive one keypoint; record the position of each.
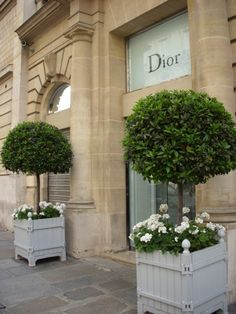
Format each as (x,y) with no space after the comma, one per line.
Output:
(41,19)
(5,7)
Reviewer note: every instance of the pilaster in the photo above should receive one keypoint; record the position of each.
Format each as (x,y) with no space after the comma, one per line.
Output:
(212,73)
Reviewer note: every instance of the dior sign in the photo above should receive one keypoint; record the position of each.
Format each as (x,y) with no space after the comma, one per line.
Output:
(156,61)
(159,54)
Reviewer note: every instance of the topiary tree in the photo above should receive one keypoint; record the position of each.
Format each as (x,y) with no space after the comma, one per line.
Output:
(34,148)
(180,136)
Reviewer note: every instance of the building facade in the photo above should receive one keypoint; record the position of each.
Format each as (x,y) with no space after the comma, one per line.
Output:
(81,65)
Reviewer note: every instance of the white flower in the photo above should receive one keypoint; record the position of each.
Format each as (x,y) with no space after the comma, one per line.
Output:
(153,226)
(185,219)
(180,229)
(163,208)
(43,204)
(139,225)
(155,217)
(162,229)
(211,226)
(205,216)
(176,239)
(166,216)
(146,238)
(41,214)
(186,210)
(198,220)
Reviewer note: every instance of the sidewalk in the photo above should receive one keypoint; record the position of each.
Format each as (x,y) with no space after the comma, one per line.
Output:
(87,286)
(92,285)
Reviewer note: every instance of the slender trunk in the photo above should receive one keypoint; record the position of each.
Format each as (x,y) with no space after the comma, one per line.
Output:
(37,192)
(180,202)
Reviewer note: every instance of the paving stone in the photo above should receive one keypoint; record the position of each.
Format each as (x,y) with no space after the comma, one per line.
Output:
(4,274)
(127,295)
(83,293)
(103,305)
(38,306)
(105,263)
(7,263)
(21,270)
(72,272)
(68,285)
(133,311)
(116,284)
(19,289)
(6,253)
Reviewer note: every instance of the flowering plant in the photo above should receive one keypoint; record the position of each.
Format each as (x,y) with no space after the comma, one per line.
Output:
(47,210)
(159,233)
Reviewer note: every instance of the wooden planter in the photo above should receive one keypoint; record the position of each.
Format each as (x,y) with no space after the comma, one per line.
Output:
(188,283)
(40,238)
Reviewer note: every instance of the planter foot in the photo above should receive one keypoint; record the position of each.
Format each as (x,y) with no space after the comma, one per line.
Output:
(63,257)
(32,261)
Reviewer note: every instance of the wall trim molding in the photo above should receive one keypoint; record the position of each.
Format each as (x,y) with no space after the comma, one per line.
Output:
(40,20)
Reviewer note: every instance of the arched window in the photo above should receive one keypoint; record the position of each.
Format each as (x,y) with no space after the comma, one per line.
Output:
(60,99)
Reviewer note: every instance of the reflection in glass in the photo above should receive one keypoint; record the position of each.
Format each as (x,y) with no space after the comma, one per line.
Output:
(60,99)
(145,198)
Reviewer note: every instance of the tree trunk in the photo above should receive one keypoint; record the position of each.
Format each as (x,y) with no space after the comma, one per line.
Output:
(37,192)
(180,202)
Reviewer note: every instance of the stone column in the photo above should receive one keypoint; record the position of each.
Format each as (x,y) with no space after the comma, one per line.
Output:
(80,127)
(212,73)
(81,218)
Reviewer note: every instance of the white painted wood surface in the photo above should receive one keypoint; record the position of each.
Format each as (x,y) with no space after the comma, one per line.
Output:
(40,238)
(188,283)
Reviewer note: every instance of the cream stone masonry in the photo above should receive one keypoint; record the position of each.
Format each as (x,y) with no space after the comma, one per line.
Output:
(81,199)
(212,73)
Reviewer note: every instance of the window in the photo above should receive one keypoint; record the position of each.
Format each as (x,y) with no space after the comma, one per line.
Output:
(60,100)
(159,54)
(145,198)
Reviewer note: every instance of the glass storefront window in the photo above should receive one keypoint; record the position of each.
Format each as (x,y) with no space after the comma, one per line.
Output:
(159,54)
(145,198)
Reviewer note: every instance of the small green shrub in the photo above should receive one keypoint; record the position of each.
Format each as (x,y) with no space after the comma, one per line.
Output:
(180,136)
(35,148)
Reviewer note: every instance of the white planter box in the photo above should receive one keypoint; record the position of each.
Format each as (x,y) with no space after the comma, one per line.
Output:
(188,283)
(40,238)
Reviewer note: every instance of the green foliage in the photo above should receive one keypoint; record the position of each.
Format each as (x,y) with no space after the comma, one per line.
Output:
(36,148)
(51,211)
(180,136)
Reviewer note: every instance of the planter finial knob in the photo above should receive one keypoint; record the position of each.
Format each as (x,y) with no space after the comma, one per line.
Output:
(29,216)
(186,245)
(221,234)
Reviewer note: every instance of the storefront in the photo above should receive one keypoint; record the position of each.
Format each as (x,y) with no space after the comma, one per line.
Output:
(109,54)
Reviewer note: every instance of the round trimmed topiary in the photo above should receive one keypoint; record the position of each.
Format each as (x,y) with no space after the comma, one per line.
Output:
(180,136)
(34,148)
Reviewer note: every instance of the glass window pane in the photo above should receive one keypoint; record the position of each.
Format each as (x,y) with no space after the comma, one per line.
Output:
(60,99)
(159,54)
(145,198)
